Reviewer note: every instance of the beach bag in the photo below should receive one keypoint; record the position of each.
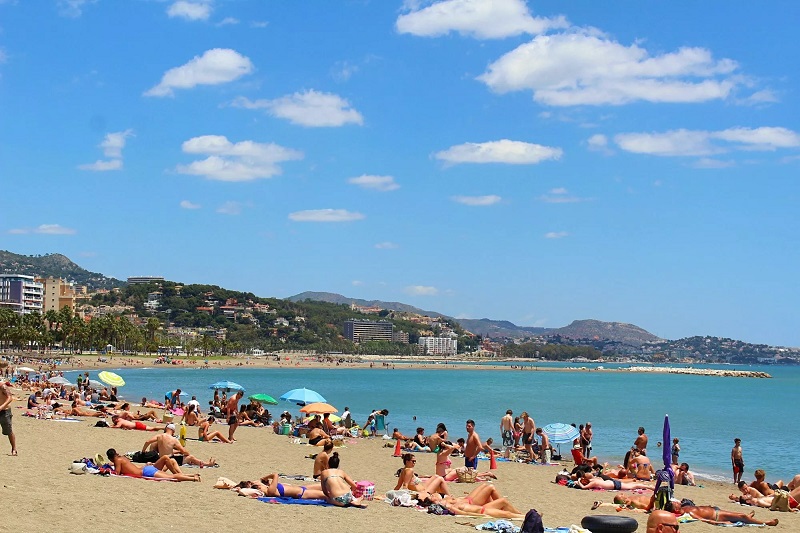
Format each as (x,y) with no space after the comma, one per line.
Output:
(780,501)
(437,509)
(532,523)
(77,468)
(101,424)
(466,474)
(365,490)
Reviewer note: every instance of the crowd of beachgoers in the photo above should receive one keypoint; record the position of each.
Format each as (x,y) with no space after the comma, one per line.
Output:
(641,482)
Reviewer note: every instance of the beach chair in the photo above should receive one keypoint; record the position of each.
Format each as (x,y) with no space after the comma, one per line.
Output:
(380,424)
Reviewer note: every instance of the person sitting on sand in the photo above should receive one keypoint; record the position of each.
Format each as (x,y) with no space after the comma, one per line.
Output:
(640,466)
(407,479)
(682,475)
(762,486)
(396,435)
(243,419)
(717,516)
(270,486)
(120,423)
(441,431)
(166,444)
(125,412)
(321,460)
(124,466)
(204,432)
(420,439)
(317,436)
(443,462)
(337,485)
(190,417)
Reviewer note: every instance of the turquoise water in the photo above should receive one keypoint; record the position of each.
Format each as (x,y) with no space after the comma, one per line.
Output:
(706,412)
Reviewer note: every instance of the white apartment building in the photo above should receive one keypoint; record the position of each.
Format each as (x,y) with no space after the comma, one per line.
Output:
(20,293)
(438,345)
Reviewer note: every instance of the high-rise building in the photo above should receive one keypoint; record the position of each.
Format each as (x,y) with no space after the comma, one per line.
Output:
(367,330)
(20,293)
(439,345)
(136,280)
(57,294)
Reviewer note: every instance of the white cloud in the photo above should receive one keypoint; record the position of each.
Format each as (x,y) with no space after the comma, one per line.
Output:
(325,215)
(586,68)
(343,71)
(765,96)
(421,290)
(72,8)
(386,245)
(503,151)
(356,283)
(44,229)
(102,166)
(230,208)
(311,108)
(684,142)
(477,200)
(560,195)
(113,143)
(216,66)
(242,161)
(186,204)
(197,10)
(228,21)
(599,143)
(377,183)
(556,235)
(482,19)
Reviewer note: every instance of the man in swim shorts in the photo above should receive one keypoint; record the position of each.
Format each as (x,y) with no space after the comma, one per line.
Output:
(507,429)
(166,444)
(231,411)
(662,521)
(737,460)
(124,466)
(473,446)
(6,397)
(121,423)
(528,430)
(717,516)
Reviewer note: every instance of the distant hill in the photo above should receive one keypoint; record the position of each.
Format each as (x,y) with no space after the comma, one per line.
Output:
(500,328)
(55,265)
(334,298)
(617,331)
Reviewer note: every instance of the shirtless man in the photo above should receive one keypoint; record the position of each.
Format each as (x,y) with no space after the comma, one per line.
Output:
(473,446)
(121,423)
(544,446)
(659,521)
(74,410)
(717,516)
(762,486)
(586,439)
(321,460)
(737,460)
(640,467)
(125,412)
(682,475)
(6,397)
(641,442)
(168,445)
(507,429)
(528,430)
(123,465)
(629,500)
(232,412)
(204,432)
(590,483)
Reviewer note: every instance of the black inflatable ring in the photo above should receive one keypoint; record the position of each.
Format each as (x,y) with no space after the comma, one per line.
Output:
(600,523)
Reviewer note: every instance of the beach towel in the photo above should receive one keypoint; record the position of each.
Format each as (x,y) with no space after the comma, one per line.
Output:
(503,526)
(294,501)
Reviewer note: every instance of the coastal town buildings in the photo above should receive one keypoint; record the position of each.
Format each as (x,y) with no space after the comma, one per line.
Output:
(56,294)
(22,294)
(368,330)
(141,280)
(438,345)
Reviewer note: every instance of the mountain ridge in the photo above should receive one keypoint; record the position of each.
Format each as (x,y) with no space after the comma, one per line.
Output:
(55,265)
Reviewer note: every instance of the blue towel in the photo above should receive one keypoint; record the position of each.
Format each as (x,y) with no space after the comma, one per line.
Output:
(295,501)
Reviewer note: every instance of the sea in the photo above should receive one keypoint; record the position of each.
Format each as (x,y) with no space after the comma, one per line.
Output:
(705,412)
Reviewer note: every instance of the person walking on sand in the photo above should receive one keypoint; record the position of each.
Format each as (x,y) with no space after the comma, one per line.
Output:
(507,429)
(641,441)
(6,397)
(473,446)
(232,411)
(737,460)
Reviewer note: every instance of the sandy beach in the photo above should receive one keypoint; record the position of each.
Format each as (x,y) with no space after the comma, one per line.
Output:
(39,493)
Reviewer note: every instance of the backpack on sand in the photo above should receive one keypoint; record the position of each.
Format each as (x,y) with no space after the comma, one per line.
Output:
(532,523)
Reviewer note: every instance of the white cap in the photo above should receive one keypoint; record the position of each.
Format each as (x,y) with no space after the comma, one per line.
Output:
(170,426)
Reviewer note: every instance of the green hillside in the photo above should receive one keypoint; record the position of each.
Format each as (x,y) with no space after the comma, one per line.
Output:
(54,265)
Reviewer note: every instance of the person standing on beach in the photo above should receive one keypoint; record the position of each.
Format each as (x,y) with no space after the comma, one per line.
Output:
(232,410)
(528,430)
(737,460)
(641,442)
(507,429)
(586,439)
(473,445)
(544,446)
(675,451)
(6,397)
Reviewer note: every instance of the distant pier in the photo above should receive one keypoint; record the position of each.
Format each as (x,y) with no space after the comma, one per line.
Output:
(699,371)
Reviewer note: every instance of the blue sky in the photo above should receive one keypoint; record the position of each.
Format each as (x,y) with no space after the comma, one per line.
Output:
(536,161)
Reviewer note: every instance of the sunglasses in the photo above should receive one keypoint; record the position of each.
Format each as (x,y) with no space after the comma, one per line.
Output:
(676,527)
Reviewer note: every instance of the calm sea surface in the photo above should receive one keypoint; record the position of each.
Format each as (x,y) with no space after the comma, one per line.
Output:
(706,413)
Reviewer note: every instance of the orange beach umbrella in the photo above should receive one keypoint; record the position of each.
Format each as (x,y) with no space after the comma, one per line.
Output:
(318,407)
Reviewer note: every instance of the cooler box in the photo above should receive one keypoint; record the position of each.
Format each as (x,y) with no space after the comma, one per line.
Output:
(365,490)
(285,429)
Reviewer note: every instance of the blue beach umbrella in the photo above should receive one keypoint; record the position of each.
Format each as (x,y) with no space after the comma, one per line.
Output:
(227,386)
(303,396)
(169,393)
(560,433)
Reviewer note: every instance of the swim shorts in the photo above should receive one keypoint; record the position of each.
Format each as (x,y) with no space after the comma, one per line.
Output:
(617,484)
(231,420)
(314,441)
(178,459)
(527,438)
(508,438)
(471,463)
(140,426)
(149,471)
(5,421)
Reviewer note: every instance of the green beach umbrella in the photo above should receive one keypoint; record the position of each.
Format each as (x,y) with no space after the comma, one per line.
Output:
(263,398)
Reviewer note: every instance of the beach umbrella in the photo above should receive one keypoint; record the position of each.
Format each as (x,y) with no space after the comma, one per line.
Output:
(318,407)
(560,433)
(94,384)
(332,418)
(60,380)
(115,380)
(263,398)
(227,386)
(25,369)
(302,396)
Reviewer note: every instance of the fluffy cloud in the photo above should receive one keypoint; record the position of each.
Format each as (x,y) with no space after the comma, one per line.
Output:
(44,229)
(197,10)
(386,245)
(186,204)
(703,143)
(242,161)
(482,19)
(216,66)
(311,109)
(376,183)
(503,151)
(112,146)
(585,68)
(421,290)
(102,166)
(325,215)
(477,200)
(556,235)
(228,21)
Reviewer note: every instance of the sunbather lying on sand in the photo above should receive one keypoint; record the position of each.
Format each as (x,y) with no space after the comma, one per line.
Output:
(717,516)
(124,466)
(270,486)
(121,423)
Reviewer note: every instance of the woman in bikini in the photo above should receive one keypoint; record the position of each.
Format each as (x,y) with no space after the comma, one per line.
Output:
(204,432)
(270,486)
(337,485)
(407,479)
(190,417)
